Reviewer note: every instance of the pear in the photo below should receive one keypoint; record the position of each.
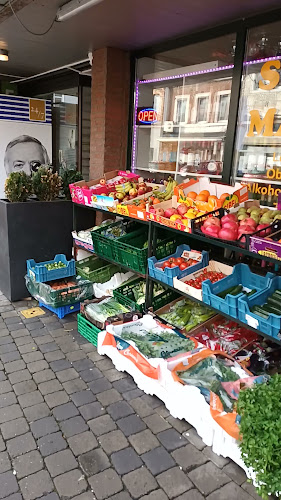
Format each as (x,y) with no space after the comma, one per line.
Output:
(242,209)
(264,210)
(249,210)
(271,214)
(242,216)
(265,219)
(277,212)
(277,217)
(255,217)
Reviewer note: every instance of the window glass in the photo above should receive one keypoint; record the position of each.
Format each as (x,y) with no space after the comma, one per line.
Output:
(257,158)
(181,110)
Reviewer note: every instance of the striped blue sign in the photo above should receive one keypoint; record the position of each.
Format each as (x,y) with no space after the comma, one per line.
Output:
(15,108)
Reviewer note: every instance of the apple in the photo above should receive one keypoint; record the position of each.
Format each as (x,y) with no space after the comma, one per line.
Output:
(120,196)
(159,211)
(133,192)
(182,209)
(169,212)
(141,190)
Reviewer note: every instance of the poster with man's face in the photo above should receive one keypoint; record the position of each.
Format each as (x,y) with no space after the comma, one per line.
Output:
(25,135)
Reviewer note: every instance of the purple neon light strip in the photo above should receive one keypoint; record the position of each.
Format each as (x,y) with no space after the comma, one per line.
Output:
(135,128)
(206,71)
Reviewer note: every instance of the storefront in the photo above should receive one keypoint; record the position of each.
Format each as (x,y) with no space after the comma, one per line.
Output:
(212,108)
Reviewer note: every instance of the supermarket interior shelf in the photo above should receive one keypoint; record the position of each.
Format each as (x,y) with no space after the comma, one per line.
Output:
(268,337)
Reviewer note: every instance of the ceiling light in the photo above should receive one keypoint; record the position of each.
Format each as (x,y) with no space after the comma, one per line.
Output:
(4,55)
(74,7)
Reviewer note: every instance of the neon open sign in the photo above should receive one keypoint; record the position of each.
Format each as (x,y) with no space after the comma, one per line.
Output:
(146,116)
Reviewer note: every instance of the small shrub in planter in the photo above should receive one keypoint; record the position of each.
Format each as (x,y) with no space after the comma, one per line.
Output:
(69,177)
(260,411)
(18,187)
(46,184)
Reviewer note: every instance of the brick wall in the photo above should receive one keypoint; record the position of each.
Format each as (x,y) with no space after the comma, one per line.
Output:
(109,110)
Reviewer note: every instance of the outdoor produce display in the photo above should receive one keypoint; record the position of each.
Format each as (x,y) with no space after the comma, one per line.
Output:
(177,347)
(62,292)
(185,314)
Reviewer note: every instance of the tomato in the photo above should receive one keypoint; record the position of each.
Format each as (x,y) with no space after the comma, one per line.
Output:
(166,264)
(173,264)
(179,261)
(183,266)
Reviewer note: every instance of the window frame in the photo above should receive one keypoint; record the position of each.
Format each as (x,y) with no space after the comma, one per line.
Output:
(217,104)
(197,97)
(179,98)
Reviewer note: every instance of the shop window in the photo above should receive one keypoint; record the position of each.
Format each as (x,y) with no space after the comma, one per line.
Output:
(181,108)
(257,158)
(185,94)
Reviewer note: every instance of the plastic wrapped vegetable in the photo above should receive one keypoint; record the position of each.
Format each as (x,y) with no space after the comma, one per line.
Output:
(185,314)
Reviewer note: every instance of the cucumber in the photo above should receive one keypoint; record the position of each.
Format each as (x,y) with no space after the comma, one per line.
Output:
(272,309)
(260,312)
(238,289)
(275,302)
(277,292)
(233,290)
(251,292)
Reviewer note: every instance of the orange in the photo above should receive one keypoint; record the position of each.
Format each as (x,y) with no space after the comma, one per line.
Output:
(192,195)
(205,192)
(201,197)
(212,200)
(155,201)
(223,196)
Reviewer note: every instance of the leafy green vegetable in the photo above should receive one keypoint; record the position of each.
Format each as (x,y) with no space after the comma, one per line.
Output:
(186,314)
(260,411)
(210,373)
(161,345)
(105,309)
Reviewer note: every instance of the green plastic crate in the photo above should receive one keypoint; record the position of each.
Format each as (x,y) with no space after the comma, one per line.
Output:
(87,330)
(104,246)
(124,294)
(130,250)
(95,269)
(43,292)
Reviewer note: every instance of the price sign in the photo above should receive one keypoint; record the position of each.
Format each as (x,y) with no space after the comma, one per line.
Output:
(37,110)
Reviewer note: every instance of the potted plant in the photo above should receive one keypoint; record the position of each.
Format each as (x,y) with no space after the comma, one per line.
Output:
(260,411)
(35,222)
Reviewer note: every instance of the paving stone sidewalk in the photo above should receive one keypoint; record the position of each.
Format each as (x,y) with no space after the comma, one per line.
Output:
(73,427)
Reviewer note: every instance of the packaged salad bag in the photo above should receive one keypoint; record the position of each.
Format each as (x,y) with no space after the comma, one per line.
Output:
(145,342)
(219,379)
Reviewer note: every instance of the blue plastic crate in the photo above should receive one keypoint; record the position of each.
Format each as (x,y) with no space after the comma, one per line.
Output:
(61,312)
(241,275)
(272,324)
(38,272)
(167,276)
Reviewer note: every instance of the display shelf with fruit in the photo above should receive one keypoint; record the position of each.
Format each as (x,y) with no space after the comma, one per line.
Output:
(181,263)
(84,193)
(192,284)
(155,193)
(225,293)
(206,196)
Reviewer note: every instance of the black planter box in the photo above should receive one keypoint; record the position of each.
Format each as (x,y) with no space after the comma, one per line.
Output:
(33,229)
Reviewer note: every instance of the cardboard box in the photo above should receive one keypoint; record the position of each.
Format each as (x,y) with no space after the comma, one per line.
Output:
(238,194)
(130,209)
(197,329)
(180,284)
(268,247)
(173,203)
(84,193)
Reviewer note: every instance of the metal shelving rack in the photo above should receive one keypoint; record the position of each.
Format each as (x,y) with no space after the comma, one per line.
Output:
(191,238)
